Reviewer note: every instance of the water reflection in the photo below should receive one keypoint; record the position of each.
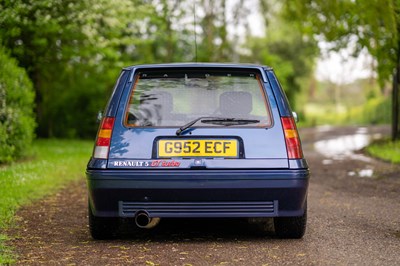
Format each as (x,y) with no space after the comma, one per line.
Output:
(344,147)
(362,173)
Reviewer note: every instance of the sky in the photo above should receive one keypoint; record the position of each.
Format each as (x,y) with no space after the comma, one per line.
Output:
(341,67)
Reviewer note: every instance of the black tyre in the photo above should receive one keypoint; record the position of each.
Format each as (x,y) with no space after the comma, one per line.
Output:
(102,227)
(291,227)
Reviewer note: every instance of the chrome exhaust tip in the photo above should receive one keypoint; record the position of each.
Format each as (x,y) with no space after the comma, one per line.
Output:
(143,220)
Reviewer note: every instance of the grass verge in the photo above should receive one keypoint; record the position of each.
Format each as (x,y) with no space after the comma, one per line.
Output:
(54,164)
(375,111)
(386,150)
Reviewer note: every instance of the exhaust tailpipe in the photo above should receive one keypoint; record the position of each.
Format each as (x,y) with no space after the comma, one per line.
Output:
(143,220)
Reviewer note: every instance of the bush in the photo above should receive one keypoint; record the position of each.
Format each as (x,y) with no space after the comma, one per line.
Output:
(17,123)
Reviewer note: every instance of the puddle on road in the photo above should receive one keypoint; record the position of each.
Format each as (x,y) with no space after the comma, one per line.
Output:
(362,173)
(343,148)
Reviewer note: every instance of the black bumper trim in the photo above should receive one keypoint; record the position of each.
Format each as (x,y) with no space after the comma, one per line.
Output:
(199,209)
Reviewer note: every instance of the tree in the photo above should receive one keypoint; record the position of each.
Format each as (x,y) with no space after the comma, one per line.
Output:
(70,51)
(285,49)
(372,25)
(73,50)
(162,32)
(214,43)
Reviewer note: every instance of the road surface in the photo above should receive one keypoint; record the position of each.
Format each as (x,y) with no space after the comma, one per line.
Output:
(354,219)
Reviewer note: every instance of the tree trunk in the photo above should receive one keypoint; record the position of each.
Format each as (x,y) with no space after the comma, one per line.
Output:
(395,98)
(395,104)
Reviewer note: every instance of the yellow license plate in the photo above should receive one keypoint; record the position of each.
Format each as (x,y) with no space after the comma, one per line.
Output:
(198,148)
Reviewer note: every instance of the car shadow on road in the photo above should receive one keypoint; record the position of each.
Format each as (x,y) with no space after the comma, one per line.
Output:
(199,230)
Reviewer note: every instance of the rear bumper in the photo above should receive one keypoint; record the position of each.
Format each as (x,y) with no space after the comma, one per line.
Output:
(198,193)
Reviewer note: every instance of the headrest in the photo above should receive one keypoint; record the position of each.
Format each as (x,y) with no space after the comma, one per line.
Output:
(166,101)
(236,103)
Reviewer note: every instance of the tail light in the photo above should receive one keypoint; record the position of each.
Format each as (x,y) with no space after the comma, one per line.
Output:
(104,138)
(292,139)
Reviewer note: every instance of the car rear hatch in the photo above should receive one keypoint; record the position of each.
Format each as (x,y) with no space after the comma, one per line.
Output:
(236,121)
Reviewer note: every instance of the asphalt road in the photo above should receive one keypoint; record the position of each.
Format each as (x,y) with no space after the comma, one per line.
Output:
(354,219)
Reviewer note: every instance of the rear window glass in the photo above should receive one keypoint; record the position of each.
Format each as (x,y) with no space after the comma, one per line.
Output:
(169,98)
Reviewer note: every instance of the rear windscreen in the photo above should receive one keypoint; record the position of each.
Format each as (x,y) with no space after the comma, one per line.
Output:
(170,98)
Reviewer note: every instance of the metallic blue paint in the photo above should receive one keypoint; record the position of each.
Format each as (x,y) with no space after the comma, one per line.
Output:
(288,187)
(112,105)
(265,181)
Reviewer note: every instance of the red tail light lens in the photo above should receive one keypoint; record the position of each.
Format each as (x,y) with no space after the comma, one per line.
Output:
(103,138)
(292,139)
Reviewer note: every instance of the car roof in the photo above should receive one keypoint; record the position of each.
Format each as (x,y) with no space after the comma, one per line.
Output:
(200,64)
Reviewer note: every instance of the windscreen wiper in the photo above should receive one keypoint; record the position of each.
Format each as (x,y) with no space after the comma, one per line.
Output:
(216,120)
(191,123)
(230,121)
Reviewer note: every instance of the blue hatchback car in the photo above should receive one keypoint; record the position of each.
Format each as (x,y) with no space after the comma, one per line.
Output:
(197,140)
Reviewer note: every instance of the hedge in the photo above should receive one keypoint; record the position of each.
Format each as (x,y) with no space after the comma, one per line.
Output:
(17,122)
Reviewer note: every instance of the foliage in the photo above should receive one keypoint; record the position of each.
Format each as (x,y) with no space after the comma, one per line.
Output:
(73,51)
(372,25)
(291,55)
(56,163)
(17,122)
(214,44)
(385,150)
(374,111)
(359,102)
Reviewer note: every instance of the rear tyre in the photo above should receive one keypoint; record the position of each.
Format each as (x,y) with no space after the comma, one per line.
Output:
(291,227)
(102,227)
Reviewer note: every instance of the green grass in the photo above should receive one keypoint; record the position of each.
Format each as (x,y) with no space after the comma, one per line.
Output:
(374,111)
(53,164)
(386,150)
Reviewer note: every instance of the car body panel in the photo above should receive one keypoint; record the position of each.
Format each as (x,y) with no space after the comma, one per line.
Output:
(285,188)
(263,182)
(138,143)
